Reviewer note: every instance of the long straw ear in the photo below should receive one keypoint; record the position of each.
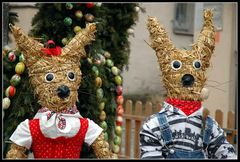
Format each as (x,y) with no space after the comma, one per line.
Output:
(75,48)
(30,47)
(206,41)
(160,41)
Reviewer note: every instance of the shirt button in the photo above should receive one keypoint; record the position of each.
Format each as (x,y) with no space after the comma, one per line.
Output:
(171,151)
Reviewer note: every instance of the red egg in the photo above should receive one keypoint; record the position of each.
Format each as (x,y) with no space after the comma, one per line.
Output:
(120,110)
(10,91)
(120,100)
(119,90)
(12,56)
(89,4)
(119,121)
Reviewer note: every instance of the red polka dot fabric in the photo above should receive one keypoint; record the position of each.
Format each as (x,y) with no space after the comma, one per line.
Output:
(60,147)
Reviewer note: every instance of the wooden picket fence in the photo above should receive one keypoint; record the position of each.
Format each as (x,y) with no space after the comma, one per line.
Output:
(141,112)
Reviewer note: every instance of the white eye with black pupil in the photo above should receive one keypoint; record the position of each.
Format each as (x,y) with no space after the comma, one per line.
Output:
(176,64)
(49,77)
(197,64)
(71,76)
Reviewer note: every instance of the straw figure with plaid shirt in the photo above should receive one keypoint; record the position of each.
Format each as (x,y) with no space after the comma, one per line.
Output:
(182,130)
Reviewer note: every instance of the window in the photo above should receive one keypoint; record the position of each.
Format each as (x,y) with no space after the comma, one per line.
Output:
(183,18)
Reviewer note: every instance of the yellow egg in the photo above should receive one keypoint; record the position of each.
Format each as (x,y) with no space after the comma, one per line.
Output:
(98,82)
(19,68)
(101,106)
(77,29)
(102,116)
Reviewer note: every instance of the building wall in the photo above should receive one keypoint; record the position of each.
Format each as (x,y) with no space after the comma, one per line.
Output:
(25,12)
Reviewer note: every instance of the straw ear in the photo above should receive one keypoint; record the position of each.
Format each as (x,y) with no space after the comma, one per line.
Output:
(75,48)
(160,41)
(205,43)
(31,48)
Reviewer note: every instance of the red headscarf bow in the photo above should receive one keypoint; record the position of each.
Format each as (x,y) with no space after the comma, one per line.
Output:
(52,51)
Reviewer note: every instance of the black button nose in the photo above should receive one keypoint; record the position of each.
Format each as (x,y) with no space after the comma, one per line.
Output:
(187,80)
(63,91)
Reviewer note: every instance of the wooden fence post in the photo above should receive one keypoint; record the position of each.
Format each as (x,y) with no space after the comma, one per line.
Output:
(231,125)
(128,129)
(219,117)
(148,109)
(159,107)
(138,112)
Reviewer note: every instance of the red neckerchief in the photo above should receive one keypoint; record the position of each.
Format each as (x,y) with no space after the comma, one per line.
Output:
(187,106)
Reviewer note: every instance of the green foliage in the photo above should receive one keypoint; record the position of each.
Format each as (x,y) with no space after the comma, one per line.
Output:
(113,20)
(23,104)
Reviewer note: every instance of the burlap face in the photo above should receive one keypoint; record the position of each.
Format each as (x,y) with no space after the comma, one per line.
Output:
(40,65)
(200,53)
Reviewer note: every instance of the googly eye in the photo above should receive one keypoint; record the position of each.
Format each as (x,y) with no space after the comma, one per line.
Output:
(71,76)
(197,64)
(49,77)
(176,64)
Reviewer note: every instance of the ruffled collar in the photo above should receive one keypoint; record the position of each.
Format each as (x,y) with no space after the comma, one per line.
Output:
(50,118)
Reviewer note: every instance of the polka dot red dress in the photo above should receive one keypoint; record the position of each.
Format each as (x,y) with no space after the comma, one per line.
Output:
(60,147)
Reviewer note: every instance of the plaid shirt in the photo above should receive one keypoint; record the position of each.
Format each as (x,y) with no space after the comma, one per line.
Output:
(186,133)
